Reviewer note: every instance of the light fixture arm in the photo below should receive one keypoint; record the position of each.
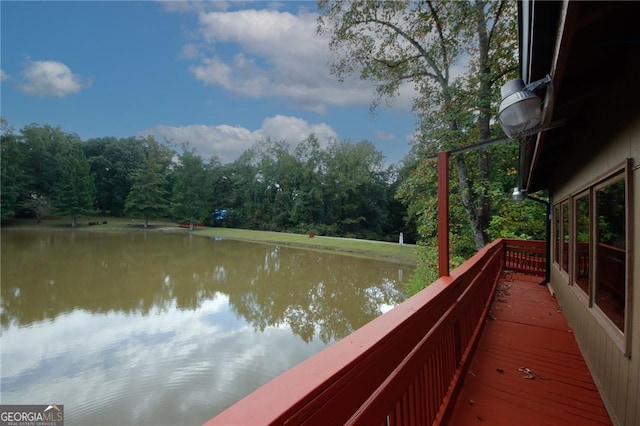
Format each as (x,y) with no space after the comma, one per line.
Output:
(538,84)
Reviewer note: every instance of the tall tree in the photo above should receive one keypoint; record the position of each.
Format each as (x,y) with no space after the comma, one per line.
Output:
(238,190)
(113,163)
(307,209)
(281,174)
(454,55)
(149,196)
(73,189)
(355,179)
(44,146)
(192,198)
(12,179)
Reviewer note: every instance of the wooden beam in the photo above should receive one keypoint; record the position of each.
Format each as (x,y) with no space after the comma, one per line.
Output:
(443,214)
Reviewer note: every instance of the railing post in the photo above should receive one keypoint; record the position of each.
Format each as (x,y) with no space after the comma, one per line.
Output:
(443,214)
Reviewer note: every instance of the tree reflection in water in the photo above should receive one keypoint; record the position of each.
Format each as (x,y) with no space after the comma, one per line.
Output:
(46,274)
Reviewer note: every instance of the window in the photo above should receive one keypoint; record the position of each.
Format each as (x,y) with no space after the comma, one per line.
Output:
(556,238)
(594,222)
(582,248)
(611,244)
(561,235)
(565,236)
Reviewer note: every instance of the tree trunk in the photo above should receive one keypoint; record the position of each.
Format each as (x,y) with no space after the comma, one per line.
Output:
(484,207)
(468,201)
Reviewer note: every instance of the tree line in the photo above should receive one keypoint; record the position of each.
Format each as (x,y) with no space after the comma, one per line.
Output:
(343,189)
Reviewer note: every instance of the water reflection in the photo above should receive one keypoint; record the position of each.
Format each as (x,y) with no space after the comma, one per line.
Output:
(169,329)
(47,274)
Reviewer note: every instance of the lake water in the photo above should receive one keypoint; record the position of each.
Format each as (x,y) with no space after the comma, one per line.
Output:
(169,329)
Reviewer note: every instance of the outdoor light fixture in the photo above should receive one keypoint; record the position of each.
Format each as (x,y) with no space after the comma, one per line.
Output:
(521,109)
(519,195)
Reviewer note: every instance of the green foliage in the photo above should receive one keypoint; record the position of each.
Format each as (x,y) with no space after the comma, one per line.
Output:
(12,179)
(427,45)
(113,163)
(73,189)
(427,267)
(354,185)
(191,199)
(610,207)
(44,169)
(148,196)
(341,190)
(523,221)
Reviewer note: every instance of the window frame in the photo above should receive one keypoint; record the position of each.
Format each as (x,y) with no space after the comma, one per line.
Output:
(623,172)
(559,233)
(585,295)
(565,237)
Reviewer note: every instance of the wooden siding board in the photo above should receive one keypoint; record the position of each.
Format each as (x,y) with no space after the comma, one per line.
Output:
(615,144)
(527,329)
(633,413)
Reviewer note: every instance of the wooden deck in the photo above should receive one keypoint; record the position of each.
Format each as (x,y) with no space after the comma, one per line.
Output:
(527,368)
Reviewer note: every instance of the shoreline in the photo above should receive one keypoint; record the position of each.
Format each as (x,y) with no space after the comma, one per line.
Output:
(378,250)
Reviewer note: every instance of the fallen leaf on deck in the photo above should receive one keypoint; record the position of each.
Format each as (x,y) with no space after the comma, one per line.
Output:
(528,374)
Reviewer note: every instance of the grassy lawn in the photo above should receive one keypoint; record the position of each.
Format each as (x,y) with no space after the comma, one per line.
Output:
(367,248)
(364,248)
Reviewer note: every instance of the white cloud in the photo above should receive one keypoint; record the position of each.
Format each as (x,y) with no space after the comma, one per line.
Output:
(277,54)
(294,130)
(50,78)
(228,142)
(190,51)
(169,355)
(4,76)
(241,76)
(384,136)
(225,142)
(184,6)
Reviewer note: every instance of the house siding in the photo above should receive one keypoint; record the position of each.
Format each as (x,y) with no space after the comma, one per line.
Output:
(599,151)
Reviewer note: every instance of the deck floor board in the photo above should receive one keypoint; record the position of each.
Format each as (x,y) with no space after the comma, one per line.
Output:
(527,330)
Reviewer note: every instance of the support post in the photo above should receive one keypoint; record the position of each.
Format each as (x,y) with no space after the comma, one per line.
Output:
(443,214)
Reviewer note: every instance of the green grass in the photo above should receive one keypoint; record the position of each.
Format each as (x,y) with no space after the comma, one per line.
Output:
(367,248)
(364,248)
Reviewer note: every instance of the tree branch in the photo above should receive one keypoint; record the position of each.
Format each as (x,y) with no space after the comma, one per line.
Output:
(502,74)
(395,64)
(423,53)
(495,22)
(442,43)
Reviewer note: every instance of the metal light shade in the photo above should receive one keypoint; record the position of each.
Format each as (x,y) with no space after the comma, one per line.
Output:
(520,109)
(519,195)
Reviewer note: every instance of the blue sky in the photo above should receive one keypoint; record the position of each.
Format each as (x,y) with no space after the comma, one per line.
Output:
(221,75)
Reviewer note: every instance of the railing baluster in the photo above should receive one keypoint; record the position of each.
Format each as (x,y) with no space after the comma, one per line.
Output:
(525,256)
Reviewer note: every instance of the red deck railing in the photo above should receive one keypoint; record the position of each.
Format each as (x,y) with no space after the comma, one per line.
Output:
(525,256)
(404,367)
